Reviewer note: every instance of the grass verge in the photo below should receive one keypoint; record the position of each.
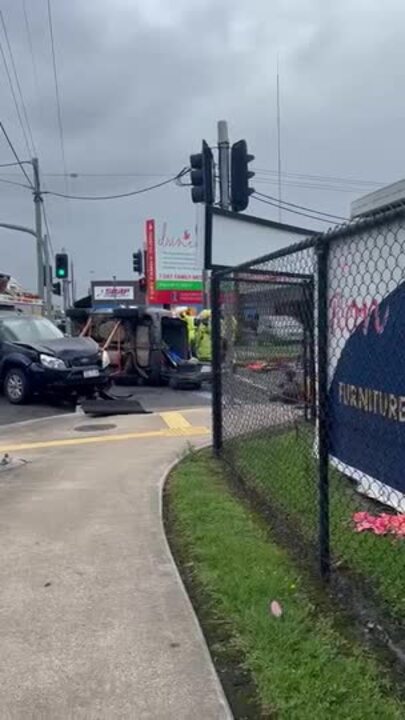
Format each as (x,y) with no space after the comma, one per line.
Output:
(282,468)
(302,668)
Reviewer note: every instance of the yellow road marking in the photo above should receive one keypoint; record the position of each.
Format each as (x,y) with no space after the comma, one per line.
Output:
(175,420)
(169,433)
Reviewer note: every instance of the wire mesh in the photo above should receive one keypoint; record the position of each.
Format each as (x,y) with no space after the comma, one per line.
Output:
(366,404)
(276,425)
(268,385)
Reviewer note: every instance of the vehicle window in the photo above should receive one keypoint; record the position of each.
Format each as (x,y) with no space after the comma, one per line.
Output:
(29,330)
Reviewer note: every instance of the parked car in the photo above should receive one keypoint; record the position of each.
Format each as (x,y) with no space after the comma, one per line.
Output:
(35,358)
(280,329)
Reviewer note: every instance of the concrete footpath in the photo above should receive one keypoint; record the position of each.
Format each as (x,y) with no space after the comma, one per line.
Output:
(94,621)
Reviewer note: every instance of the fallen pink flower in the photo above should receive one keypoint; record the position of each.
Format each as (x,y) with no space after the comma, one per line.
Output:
(360,516)
(383,524)
(276,609)
(398,521)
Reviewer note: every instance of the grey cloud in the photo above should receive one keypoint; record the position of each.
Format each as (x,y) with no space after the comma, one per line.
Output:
(141,84)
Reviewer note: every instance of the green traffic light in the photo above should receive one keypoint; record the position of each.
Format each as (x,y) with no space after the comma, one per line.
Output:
(61,273)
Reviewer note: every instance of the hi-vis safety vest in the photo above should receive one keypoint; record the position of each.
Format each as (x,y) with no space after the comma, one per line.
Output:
(189,320)
(203,349)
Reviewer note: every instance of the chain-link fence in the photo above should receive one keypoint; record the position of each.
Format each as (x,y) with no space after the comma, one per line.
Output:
(309,397)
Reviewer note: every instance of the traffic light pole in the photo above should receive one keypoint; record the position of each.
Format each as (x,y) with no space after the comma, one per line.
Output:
(48,279)
(65,294)
(223,161)
(38,228)
(72,280)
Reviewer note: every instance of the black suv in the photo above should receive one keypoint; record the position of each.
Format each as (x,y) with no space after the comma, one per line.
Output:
(35,358)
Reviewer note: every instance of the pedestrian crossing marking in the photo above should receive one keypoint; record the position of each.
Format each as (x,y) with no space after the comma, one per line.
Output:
(175,420)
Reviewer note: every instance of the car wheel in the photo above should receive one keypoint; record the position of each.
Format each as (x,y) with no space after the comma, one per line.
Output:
(16,387)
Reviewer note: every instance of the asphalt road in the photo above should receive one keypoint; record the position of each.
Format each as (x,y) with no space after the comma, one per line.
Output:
(151,398)
(12,413)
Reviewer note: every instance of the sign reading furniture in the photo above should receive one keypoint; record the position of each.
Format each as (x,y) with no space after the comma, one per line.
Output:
(367,362)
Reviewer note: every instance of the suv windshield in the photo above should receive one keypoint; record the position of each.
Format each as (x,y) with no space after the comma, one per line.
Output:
(29,330)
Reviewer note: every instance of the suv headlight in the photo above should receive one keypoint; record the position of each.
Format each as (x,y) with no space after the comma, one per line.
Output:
(51,362)
(105,359)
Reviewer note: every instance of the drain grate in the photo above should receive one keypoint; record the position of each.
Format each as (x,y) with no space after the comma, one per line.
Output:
(92,428)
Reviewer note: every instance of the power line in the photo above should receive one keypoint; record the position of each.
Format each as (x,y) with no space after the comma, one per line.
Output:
(120,195)
(3,22)
(343,180)
(58,104)
(264,181)
(13,150)
(107,174)
(295,212)
(13,164)
(31,48)
(302,207)
(11,182)
(312,186)
(10,82)
(78,175)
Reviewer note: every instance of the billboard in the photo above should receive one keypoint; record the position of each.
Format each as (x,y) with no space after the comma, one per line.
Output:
(366,363)
(113,292)
(174,266)
(109,293)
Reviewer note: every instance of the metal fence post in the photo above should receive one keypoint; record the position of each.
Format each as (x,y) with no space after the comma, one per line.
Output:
(311,352)
(322,426)
(216,365)
(305,363)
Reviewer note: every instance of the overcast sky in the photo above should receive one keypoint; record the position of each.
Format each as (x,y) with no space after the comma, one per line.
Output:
(141,83)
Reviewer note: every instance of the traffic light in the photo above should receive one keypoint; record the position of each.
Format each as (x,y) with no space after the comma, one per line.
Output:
(56,288)
(61,266)
(137,262)
(202,176)
(240,176)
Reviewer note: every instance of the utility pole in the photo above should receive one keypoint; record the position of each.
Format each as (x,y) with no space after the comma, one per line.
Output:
(223,162)
(38,228)
(48,279)
(224,185)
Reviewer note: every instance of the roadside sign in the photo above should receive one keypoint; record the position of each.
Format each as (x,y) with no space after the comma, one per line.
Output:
(174,267)
(113,292)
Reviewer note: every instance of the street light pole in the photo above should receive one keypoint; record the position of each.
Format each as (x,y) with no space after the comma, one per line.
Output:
(38,228)
(19,228)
